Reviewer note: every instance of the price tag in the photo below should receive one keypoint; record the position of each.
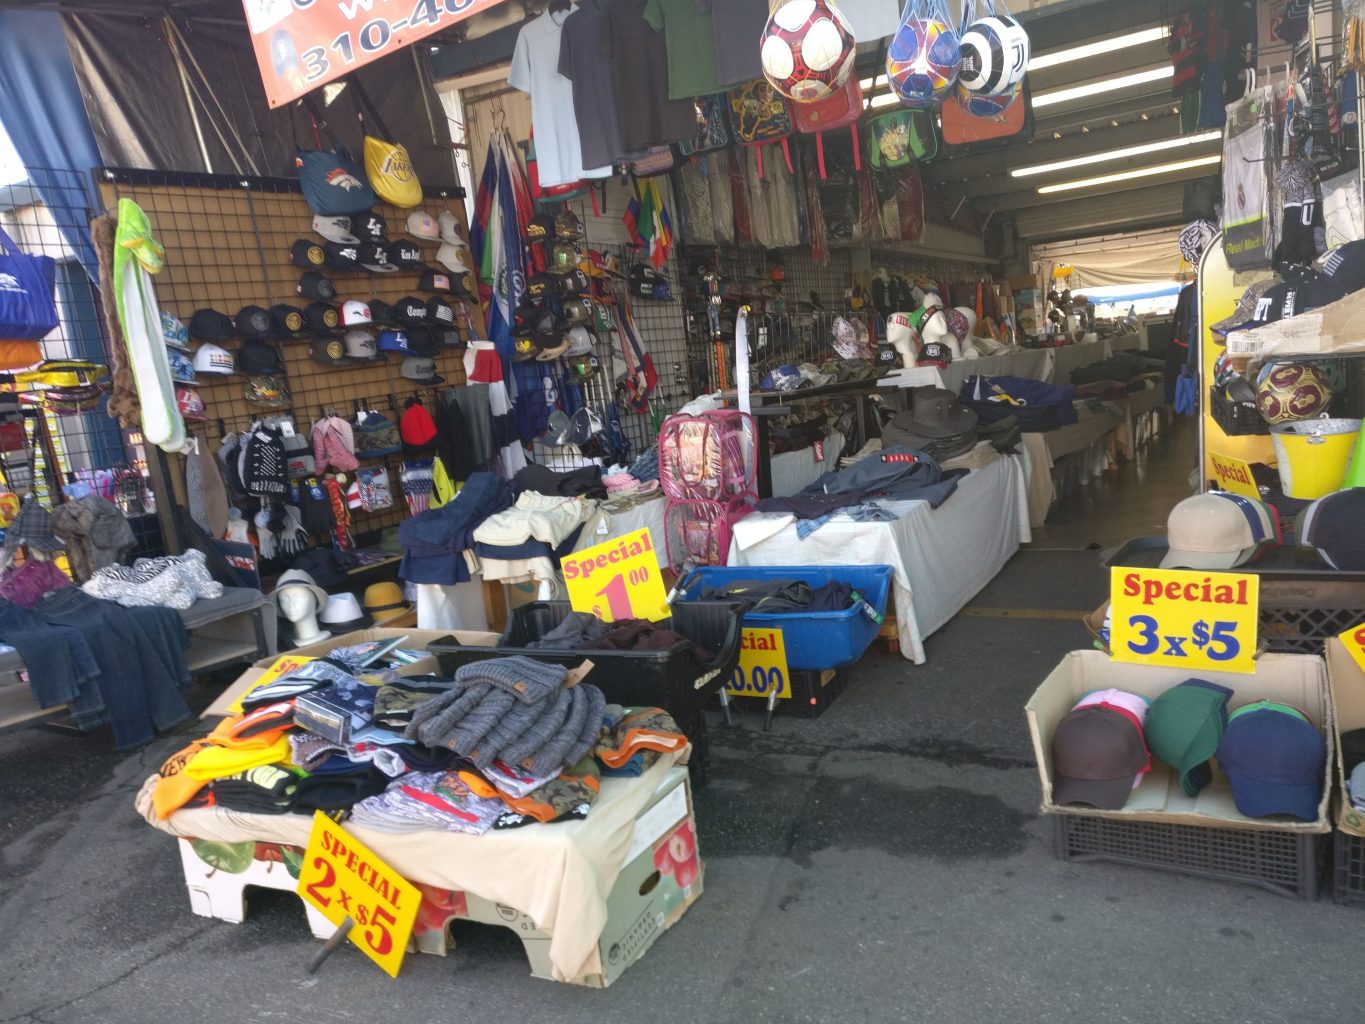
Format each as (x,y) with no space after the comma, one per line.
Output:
(342,878)
(1354,642)
(284,664)
(1234,475)
(617,579)
(762,668)
(1184,619)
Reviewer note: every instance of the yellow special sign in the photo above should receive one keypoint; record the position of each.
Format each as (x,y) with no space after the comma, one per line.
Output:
(1234,475)
(1354,642)
(284,664)
(618,579)
(342,878)
(762,669)
(1184,619)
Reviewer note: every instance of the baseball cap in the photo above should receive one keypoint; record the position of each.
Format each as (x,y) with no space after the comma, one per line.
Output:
(1211,531)
(407,255)
(329,352)
(448,226)
(440,312)
(375,256)
(369,226)
(210,325)
(287,321)
(1332,526)
(1134,703)
(1244,315)
(446,337)
(423,225)
(573,282)
(577,312)
(1274,758)
(1343,272)
(541,229)
(334,229)
(580,342)
(382,313)
(554,351)
(342,256)
(422,341)
(174,333)
(410,311)
(422,370)
(568,226)
(313,285)
(439,281)
(212,359)
(1281,301)
(255,356)
(190,403)
(361,345)
(451,255)
(935,353)
(1096,753)
(322,318)
(252,322)
(266,390)
(354,313)
(524,347)
(393,341)
(1184,727)
(182,367)
(307,254)
(648,283)
(541,286)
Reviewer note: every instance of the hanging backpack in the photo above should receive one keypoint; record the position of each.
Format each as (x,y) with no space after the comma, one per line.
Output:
(971,121)
(387,164)
(713,127)
(841,109)
(760,116)
(889,139)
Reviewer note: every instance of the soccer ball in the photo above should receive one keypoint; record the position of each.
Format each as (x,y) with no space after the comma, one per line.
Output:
(1293,391)
(995,53)
(807,50)
(983,106)
(922,61)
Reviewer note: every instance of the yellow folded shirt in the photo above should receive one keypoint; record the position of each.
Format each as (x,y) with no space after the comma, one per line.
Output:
(219,762)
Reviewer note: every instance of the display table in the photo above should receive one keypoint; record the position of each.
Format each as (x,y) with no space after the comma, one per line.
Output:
(1045,449)
(793,472)
(555,884)
(1131,433)
(1073,357)
(1030,363)
(941,557)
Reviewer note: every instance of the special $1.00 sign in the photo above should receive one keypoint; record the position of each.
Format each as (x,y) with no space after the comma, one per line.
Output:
(617,579)
(1184,619)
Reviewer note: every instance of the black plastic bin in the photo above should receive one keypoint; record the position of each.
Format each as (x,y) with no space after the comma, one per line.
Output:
(675,680)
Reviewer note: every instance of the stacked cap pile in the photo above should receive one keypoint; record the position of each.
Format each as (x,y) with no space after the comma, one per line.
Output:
(1273,757)
(936,423)
(517,710)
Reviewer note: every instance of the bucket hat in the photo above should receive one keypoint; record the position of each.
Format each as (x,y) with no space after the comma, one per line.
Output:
(384,602)
(299,578)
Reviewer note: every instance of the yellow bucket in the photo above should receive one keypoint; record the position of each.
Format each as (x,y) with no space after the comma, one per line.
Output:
(1313,455)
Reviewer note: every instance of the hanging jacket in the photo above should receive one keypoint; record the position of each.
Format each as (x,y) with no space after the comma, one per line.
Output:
(434,540)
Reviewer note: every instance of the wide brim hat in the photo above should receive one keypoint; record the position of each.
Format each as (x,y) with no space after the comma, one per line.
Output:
(937,413)
(298,578)
(384,602)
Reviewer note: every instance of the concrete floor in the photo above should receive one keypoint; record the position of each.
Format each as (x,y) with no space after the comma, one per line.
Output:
(884,863)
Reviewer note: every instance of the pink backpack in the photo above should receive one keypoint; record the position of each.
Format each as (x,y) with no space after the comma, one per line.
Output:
(709,457)
(699,531)
(841,109)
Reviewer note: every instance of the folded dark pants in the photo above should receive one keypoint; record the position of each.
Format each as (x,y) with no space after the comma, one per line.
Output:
(61,667)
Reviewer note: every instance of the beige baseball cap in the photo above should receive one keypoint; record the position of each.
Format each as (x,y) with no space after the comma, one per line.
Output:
(1208,531)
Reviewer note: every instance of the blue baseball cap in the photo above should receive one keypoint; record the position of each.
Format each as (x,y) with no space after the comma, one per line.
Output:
(1274,758)
(394,341)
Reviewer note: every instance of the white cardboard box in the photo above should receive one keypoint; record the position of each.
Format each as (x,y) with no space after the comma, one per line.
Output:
(1296,679)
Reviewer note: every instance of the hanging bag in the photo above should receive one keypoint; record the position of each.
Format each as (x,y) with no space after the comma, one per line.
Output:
(713,127)
(28,290)
(760,116)
(890,139)
(837,111)
(333,183)
(387,164)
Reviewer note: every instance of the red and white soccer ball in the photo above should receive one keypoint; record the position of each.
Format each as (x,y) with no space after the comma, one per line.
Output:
(1293,391)
(807,50)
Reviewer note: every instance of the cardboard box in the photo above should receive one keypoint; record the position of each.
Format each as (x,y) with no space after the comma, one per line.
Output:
(417,639)
(1337,327)
(1347,683)
(1296,679)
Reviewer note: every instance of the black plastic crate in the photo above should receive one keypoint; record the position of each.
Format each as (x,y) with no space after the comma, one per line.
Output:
(675,680)
(1303,602)
(1236,418)
(1285,863)
(1348,887)
(813,691)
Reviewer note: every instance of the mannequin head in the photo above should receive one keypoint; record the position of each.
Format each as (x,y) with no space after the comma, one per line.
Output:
(299,600)
(297,603)
(901,333)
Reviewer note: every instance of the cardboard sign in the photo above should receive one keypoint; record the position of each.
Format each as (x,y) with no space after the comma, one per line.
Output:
(284,664)
(1234,475)
(617,579)
(302,45)
(1184,619)
(762,668)
(1354,642)
(342,878)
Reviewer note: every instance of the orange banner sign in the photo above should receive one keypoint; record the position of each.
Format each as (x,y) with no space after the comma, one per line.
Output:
(303,44)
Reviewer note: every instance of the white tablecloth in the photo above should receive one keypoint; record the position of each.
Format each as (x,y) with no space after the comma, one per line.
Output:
(1029,363)
(792,472)
(1073,357)
(1044,449)
(941,557)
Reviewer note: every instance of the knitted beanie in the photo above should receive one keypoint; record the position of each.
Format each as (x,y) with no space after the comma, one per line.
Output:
(264,465)
(525,678)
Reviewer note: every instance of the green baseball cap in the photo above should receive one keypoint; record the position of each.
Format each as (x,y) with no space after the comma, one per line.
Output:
(1184,727)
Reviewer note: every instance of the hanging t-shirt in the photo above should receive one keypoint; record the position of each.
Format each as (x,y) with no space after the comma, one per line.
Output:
(691,46)
(535,70)
(638,58)
(594,85)
(738,25)
(872,19)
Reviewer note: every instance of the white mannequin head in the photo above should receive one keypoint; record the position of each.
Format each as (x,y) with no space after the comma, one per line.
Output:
(299,605)
(970,314)
(901,333)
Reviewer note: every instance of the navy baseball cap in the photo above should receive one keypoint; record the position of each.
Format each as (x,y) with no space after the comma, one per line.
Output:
(1331,524)
(1343,272)
(1274,758)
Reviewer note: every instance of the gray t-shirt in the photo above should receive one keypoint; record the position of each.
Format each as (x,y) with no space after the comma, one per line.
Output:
(582,60)
(738,25)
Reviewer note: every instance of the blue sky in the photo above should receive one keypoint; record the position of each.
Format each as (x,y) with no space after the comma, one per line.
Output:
(11,167)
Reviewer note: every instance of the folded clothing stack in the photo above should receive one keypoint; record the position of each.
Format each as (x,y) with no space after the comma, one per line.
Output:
(585,631)
(517,710)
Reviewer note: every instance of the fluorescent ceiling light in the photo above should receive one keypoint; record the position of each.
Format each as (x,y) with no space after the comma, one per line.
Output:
(1147,35)
(1144,172)
(1116,154)
(1102,85)
(886,99)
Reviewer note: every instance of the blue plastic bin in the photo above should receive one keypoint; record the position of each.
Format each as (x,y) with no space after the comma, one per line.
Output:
(814,640)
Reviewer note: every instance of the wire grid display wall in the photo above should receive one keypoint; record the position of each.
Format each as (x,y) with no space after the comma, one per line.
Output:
(84,444)
(227,246)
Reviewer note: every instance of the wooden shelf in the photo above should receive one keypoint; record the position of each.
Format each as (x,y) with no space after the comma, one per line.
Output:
(207,652)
